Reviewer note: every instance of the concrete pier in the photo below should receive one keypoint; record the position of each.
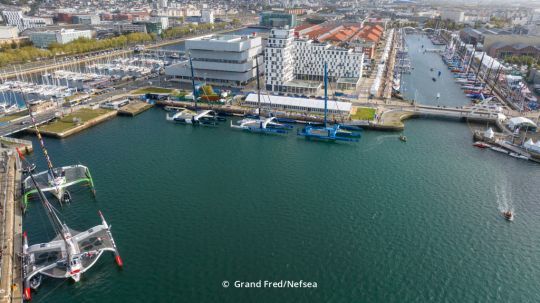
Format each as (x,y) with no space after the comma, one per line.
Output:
(134,108)
(11,232)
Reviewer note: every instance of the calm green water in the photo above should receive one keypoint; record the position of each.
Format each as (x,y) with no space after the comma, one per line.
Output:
(377,221)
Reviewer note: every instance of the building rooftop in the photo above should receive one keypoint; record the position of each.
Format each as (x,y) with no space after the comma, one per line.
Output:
(302,102)
(225,38)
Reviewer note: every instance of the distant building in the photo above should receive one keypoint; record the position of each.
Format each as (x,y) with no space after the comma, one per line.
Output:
(152,27)
(86,19)
(63,36)
(16,18)
(456,16)
(63,17)
(477,36)
(163,20)
(223,59)
(128,27)
(500,46)
(295,11)
(207,16)
(363,38)
(501,50)
(276,19)
(162,3)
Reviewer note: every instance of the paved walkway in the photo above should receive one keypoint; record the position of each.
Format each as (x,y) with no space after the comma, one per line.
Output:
(10,270)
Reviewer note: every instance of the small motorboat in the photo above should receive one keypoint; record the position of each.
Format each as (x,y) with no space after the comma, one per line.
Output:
(433,79)
(66,197)
(481,144)
(518,156)
(498,149)
(508,215)
(432,69)
(402,138)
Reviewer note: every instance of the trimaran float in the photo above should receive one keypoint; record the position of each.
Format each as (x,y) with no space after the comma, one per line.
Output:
(327,133)
(195,117)
(55,180)
(69,254)
(258,124)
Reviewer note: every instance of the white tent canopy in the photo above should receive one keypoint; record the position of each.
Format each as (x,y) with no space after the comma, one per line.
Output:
(489,133)
(489,62)
(530,145)
(520,122)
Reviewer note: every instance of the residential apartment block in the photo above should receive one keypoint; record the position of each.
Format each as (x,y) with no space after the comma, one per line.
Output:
(293,65)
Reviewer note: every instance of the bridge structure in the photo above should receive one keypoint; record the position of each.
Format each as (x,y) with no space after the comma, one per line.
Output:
(394,114)
(24,123)
(469,113)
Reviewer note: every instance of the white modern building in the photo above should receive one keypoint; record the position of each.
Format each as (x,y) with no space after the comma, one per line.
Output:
(207,16)
(291,65)
(279,59)
(16,18)
(46,38)
(223,59)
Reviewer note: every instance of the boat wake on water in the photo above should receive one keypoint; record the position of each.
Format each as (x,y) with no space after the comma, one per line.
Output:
(504,203)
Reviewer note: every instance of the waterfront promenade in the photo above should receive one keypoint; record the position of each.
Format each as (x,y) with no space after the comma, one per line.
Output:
(11,231)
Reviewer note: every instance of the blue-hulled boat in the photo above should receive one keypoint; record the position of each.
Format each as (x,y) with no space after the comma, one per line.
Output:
(327,133)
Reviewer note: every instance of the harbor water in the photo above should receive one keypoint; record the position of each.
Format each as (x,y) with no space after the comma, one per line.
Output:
(376,221)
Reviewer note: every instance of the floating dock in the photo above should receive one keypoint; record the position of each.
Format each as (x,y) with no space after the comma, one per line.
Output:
(134,108)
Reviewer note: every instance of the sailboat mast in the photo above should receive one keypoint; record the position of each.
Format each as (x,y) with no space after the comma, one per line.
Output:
(41,143)
(193,83)
(258,86)
(479,67)
(325,91)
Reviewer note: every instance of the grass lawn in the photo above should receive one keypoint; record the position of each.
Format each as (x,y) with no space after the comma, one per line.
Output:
(364,113)
(66,122)
(153,90)
(14,116)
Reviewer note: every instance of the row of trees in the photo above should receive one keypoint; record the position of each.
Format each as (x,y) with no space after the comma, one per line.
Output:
(446,24)
(521,60)
(179,32)
(79,46)
(13,54)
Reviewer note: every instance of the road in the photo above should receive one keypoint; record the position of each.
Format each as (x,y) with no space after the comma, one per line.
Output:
(25,122)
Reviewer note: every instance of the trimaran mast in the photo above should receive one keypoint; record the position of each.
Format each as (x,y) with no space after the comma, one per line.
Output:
(193,82)
(41,143)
